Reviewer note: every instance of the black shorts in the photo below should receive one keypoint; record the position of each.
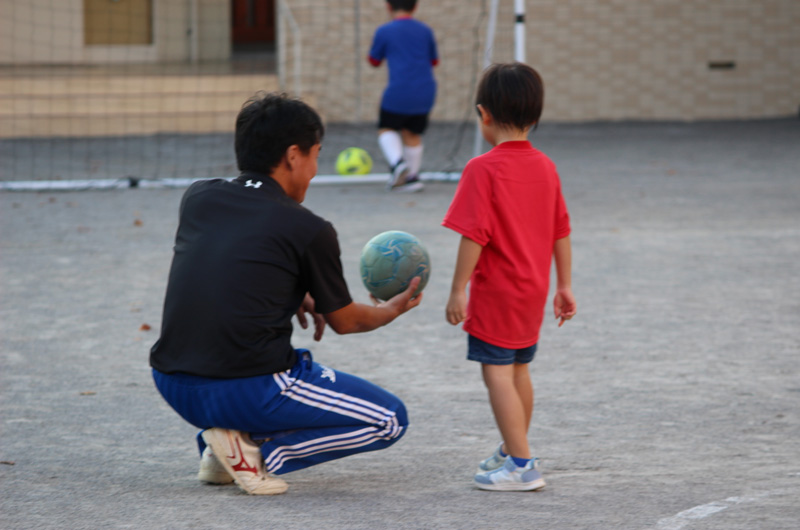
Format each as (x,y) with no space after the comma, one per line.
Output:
(416,123)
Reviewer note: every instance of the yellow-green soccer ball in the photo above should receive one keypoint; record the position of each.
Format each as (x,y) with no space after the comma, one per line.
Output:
(353,161)
(390,260)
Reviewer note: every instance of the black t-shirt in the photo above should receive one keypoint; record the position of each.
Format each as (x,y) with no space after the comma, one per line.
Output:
(245,256)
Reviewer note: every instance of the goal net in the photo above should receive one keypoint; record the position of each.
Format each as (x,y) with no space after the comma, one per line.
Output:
(115,93)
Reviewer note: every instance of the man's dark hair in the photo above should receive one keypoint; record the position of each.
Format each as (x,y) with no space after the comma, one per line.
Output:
(402,5)
(513,93)
(268,124)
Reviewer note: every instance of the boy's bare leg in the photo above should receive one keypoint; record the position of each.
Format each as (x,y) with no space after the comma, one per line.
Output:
(509,407)
(524,386)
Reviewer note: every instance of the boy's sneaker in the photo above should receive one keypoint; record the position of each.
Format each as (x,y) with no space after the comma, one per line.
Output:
(412,185)
(509,477)
(243,461)
(211,470)
(398,175)
(494,461)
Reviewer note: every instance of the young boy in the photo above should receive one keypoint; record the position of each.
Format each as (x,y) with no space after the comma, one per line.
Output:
(248,257)
(409,47)
(513,220)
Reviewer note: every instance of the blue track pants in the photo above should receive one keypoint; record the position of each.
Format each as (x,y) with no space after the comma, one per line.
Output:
(307,415)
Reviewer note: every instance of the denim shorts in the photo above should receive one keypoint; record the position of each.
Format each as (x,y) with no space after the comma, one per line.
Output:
(485,353)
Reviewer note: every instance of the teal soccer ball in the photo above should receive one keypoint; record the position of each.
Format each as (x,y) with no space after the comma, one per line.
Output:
(390,261)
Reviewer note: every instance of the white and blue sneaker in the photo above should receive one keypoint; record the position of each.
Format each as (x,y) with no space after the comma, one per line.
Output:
(493,462)
(509,477)
(497,460)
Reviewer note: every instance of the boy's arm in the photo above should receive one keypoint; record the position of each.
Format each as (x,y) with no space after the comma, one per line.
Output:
(468,254)
(376,52)
(358,318)
(564,304)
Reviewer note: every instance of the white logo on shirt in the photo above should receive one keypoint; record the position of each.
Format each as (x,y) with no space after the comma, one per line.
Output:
(251,184)
(328,373)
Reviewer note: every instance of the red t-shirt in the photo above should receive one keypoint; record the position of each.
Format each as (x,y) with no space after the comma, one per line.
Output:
(509,201)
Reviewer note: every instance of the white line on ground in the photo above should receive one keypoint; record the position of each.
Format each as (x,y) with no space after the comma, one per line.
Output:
(131,182)
(684,518)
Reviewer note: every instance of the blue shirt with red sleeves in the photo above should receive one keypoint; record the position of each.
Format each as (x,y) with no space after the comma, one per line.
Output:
(409,48)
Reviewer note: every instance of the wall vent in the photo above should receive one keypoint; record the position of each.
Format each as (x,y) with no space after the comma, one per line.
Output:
(721,65)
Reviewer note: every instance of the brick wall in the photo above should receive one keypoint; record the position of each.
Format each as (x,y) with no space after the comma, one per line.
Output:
(600,59)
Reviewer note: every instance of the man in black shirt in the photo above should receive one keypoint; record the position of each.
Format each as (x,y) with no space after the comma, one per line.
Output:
(248,257)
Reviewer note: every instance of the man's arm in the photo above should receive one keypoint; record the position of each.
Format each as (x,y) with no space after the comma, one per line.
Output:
(564,305)
(358,318)
(468,254)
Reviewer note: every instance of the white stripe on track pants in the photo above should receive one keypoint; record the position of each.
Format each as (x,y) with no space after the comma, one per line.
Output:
(308,415)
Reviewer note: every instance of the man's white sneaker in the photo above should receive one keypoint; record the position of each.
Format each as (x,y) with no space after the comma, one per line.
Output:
(243,461)
(511,478)
(211,470)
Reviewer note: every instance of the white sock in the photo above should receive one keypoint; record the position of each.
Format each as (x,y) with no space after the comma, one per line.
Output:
(413,157)
(392,146)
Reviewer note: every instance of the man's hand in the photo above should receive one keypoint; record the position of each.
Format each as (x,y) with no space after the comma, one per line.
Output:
(319,321)
(358,318)
(404,301)
(564,305)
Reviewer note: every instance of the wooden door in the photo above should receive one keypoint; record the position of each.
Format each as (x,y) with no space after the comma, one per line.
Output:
(253,21)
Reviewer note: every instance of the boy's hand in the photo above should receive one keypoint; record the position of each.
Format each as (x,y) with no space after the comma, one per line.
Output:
(564,305)
(319,321)
(456,310)
(469,252)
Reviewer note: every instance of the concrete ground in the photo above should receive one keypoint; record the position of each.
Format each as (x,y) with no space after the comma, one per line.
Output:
(672,401)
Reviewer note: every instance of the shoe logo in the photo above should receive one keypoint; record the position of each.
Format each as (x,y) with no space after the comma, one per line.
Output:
(327,373)
(242,465)
(250,184)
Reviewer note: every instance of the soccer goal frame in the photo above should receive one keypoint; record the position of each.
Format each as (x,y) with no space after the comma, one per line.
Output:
(519,49)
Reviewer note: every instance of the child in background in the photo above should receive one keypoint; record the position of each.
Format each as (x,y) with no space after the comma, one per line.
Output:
(409,48)
(513,220)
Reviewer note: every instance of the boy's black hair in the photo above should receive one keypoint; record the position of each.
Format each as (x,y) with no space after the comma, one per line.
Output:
(513,93)
(268,124)
(402,5)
